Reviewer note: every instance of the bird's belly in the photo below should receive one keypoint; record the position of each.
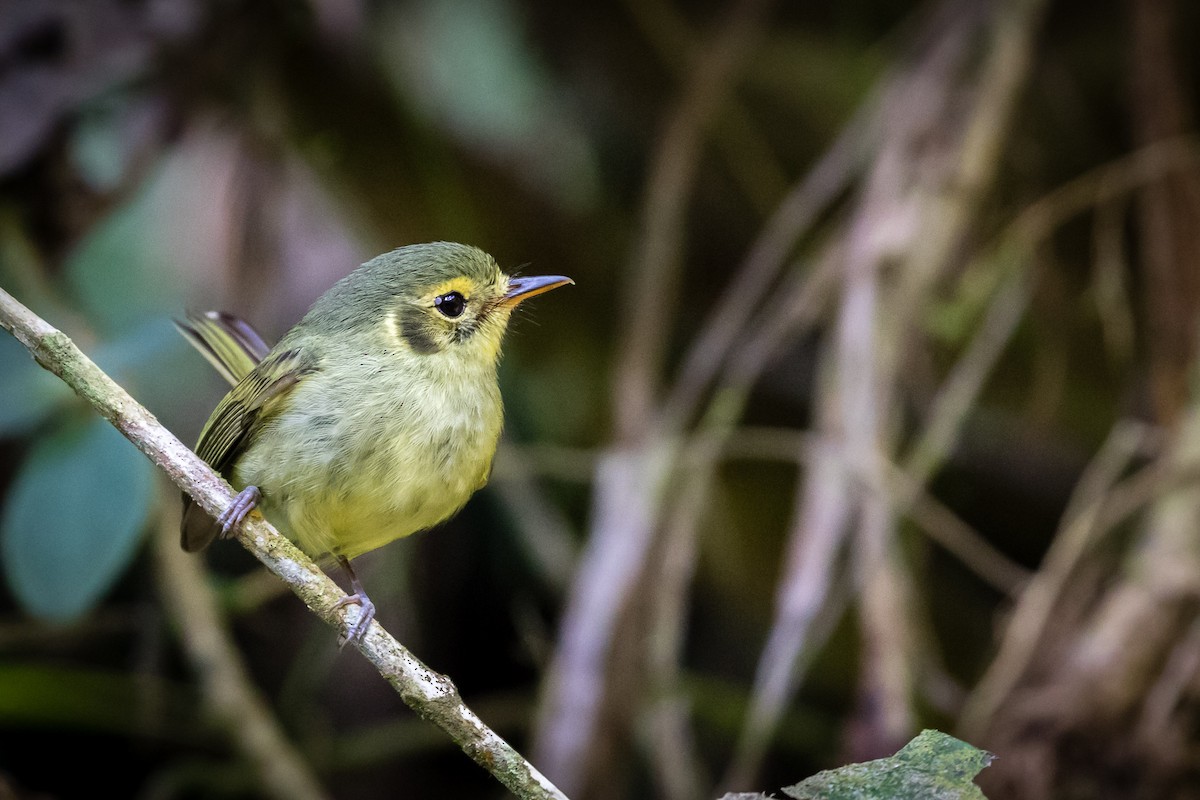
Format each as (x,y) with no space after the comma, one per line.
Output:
(351,520)
(344,486)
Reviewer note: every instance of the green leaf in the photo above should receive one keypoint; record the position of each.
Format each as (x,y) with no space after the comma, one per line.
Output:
(73,518)
(933,766)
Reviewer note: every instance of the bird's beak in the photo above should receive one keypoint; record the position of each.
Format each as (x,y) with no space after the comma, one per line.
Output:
(520,289)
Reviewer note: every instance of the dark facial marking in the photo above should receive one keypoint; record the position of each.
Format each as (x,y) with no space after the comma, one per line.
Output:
(417,335)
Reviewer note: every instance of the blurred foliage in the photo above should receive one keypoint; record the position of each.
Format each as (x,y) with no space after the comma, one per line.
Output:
(63,550)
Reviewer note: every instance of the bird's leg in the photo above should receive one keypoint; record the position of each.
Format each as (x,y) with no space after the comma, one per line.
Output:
(241,506)
(359,598)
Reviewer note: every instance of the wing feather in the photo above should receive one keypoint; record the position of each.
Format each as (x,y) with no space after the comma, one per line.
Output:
(234,424)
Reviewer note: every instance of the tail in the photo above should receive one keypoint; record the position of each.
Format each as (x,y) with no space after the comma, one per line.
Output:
(229,343)
(234,348)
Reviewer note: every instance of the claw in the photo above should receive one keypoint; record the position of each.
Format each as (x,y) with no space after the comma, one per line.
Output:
(238,510)
(359,629)
(359,598)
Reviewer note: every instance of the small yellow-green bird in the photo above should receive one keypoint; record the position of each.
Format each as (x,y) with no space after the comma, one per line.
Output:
(375,417)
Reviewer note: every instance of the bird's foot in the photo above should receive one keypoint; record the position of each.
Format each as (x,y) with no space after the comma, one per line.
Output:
(359,598)
(238,510)
(365,616)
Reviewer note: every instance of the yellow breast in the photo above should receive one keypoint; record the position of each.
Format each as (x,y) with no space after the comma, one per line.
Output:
(375,450)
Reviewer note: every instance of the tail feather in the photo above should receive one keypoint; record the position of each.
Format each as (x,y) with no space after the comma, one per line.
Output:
(227,342)
(234,348)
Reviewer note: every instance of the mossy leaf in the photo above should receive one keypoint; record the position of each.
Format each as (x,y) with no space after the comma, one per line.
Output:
(933,766)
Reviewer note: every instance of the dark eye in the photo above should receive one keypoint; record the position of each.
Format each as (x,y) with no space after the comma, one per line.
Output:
(450,304)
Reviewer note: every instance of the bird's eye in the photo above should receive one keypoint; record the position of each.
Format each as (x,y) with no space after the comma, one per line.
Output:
(450,304)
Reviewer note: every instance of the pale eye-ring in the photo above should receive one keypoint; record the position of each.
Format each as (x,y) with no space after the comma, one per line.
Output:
(450,304)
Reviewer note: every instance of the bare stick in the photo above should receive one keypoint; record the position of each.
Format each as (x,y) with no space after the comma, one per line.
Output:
(433,696)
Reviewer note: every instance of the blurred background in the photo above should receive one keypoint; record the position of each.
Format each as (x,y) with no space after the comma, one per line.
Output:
(873,408)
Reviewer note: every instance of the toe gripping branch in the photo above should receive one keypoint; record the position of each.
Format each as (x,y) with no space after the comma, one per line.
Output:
(359,598)
(245,502)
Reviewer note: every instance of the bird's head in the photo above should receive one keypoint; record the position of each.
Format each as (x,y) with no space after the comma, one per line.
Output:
(433,298)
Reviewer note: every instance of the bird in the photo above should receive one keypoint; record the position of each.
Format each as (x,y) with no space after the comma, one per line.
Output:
(375,417)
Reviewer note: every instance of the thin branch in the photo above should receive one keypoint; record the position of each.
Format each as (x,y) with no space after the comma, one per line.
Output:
(892,223)
(958,538)
(686,508)
(231,695)
(1105,183)
(940,523)
(798,211)
(628,491)
(433,696)
(543,530)
(1108,288)
(1167,695)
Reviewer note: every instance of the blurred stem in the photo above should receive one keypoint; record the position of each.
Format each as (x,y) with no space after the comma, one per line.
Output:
(1105,183)
(431,695)
(407,737)
(923,191)
(958,538)
(726,323)
(653,270)
(1033,225)
(630,480)
(1168,210)
(814,541)
(940,523)
(542,529)
(677,766)
(673,751)
(1109,288)
(227,688)
(751,161)
(958,393)
(1087,517)
(197,778)
(1108,667)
